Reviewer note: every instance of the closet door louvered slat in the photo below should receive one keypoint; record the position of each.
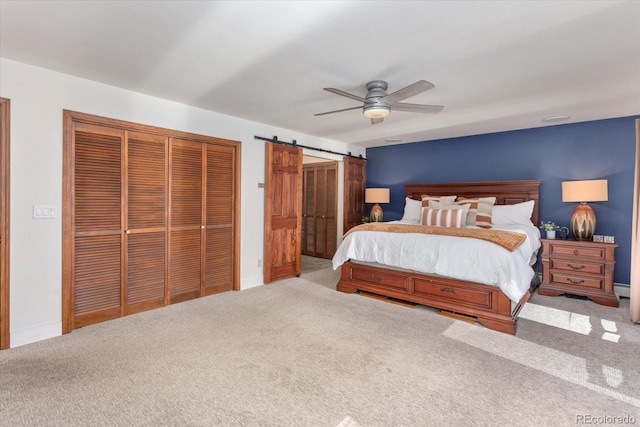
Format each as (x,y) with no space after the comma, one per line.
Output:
(220,200)
(146,221)
(186,212)
(97,178)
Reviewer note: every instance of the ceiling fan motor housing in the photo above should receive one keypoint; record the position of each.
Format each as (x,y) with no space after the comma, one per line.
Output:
(376,108)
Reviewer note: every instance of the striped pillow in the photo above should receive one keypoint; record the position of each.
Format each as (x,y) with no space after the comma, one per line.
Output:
(442,217)
(479,210)
(445,200)
(465,209)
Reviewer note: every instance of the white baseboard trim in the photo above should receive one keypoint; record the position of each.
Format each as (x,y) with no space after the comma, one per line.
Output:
(40,333)
(251,282)
(622,290)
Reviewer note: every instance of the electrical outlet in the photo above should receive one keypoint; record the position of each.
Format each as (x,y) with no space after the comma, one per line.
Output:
(259,263)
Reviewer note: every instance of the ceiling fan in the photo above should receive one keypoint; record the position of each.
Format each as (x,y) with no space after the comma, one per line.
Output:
(378,105)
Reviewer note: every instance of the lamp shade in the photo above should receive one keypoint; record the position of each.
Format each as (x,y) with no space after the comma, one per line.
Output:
(583,220)
(594,190)
(376,195)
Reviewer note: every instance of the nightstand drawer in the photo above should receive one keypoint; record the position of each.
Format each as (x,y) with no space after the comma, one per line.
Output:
(577,281)
(576,251)
(576,266)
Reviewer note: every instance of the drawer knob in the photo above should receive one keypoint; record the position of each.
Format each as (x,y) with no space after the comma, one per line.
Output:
(575,282)
(376,278)
(576,252)
(576,268)
(453,291)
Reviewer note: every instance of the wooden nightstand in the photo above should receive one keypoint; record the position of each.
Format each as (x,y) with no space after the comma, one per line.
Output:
(578,268)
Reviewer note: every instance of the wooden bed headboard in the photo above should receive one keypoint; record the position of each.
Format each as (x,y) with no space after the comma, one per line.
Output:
(506,192)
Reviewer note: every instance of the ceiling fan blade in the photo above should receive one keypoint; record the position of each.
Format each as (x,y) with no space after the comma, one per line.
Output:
(378,120)
(408,91)
(416,108)
(347,94)
(338,111)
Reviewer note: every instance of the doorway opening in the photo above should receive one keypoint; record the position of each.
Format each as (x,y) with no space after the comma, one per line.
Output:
(319,212)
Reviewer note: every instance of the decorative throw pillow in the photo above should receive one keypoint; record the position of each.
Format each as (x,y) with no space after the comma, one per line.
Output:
(518,214)
(479,210)
(442,217)
(465,209)
(445,200)
(412,210)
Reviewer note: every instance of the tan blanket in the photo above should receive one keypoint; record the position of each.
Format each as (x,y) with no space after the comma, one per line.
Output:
(507,239)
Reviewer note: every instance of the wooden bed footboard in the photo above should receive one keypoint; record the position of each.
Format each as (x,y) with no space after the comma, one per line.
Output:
(488,305)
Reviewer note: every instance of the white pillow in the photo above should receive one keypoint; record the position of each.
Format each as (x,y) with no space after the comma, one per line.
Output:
(520,213)
(446,206)
(412,210)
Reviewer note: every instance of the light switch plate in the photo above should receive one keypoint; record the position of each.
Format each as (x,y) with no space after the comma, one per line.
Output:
(44,212)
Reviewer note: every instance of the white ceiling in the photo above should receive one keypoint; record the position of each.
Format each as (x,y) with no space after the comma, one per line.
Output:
(496,65)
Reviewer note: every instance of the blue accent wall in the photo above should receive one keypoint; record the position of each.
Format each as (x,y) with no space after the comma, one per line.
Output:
(603,149)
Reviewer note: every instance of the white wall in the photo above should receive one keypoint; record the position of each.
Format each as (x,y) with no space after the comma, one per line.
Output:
(38,97)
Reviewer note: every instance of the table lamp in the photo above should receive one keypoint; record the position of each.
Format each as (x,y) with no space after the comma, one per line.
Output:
(583,220)
(376,195)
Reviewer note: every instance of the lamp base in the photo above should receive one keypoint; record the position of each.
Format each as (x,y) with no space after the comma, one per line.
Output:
(376,213)
(583,222)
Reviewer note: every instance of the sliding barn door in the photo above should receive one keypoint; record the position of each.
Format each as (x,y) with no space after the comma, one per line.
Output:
(355,179)
(283,212)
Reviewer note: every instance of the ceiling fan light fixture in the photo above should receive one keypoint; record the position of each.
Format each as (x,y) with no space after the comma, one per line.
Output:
(376,111)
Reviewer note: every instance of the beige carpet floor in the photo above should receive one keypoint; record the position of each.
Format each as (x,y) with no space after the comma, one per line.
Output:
(298,353)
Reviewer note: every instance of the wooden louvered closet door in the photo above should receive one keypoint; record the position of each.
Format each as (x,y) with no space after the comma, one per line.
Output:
(97,218)
(150,218)
(308,209)
(219,219)
(146,229)
(319,223)
(187,225)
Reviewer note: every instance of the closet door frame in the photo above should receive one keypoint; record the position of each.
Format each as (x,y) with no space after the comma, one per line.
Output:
(5,116)
(71,117)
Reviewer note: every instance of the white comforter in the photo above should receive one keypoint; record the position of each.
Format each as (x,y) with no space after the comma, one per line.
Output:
(462,258)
